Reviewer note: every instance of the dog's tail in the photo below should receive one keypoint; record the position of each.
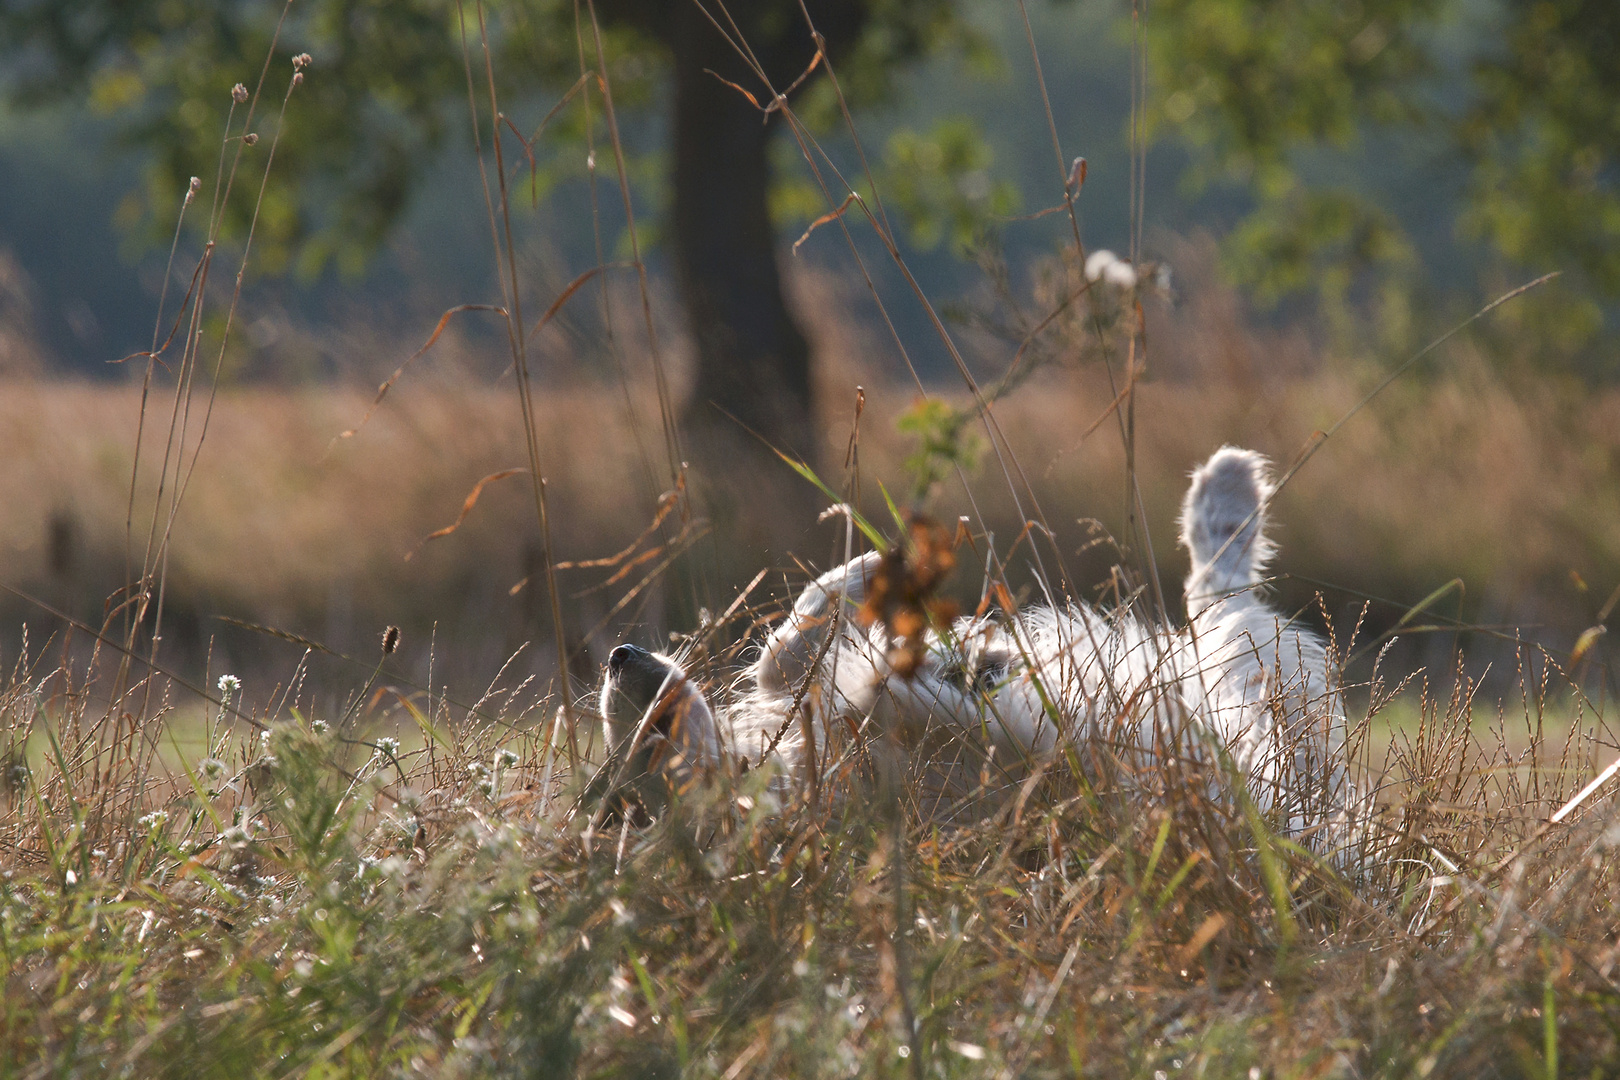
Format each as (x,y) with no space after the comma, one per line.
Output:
(1223,523)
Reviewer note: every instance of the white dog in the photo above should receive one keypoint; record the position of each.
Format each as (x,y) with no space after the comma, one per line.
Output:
(1242,692)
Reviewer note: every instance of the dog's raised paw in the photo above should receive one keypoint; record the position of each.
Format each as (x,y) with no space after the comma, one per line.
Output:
(1223,522)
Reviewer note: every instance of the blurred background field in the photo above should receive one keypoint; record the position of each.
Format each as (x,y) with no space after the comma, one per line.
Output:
(1508,484)
(1493,463)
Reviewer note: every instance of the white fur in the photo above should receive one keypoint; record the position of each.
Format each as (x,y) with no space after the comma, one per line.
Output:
(1241,691)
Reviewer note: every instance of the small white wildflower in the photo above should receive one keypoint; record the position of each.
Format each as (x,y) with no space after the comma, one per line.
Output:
(1121,275)
(319,727)
(154,821)
(1103,265)
(505,759)
(211,768)
(388,746)
(229,686)
(477,768)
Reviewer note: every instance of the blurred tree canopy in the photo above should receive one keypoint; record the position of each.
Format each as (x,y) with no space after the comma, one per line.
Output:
(1532,105)
(1527,94)
(390,76)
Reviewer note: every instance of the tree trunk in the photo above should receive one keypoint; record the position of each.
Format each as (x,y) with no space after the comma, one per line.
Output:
(752,359)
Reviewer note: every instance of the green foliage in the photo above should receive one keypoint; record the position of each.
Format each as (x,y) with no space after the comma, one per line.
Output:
(1544,135)
(940,180)
(1252,80)
(368,114)
(1326,241)
(1258,87)
(896,30)
(1252,84)
(387,88)
(945,443)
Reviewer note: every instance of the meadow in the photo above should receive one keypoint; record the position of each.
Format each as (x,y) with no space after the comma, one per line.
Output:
(370,864)
(294,775)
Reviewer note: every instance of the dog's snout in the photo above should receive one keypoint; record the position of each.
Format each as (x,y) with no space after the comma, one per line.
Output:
(621,656)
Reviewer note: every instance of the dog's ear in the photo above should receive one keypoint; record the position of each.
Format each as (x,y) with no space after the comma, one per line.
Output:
(1223,522)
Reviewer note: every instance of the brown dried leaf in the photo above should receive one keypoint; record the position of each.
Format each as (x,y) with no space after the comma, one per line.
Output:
(466,508)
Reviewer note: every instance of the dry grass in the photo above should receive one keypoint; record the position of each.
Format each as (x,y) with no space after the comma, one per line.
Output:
(1511,488)
(311,899)
(310,902)
(360,873)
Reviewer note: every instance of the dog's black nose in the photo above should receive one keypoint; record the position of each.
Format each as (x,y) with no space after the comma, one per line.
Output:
(623,655)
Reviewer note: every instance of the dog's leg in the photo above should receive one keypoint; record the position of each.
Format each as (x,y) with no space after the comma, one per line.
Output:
(1223,524)
(793,650)
(1266,685)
